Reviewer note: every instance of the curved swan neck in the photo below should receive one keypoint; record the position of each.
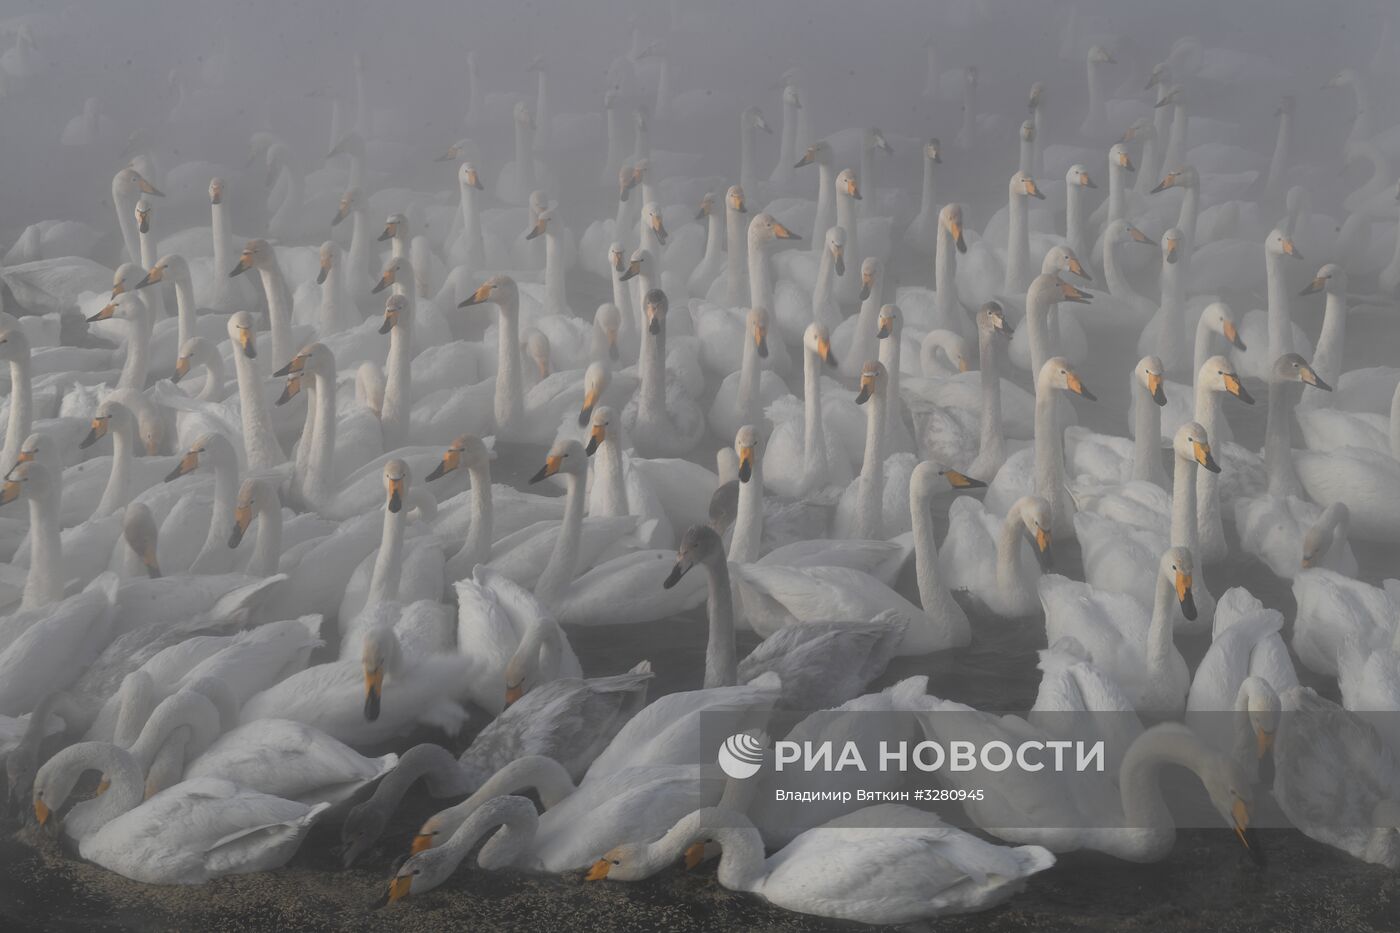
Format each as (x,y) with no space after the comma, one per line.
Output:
(945,264)
(510,398)
(44,582)
(559,572)
(1159,632)
(721,664)
(1278,438)
(184,305)
(991,444)
(746,543)
(871,491)
(1143,805)
(279,307)
(259,441)
(1331,340)
(133,374)
(1278,163)
(1183,526)
(1147,426)
(609,478)
(1280,316)
(479,537)
(221,520)
(118,490)
(1018,245)
(1049,455)
(125,789)
(21,410)
(1009,549)
(651,405)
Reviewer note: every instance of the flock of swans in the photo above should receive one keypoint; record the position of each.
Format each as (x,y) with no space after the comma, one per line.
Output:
(254,548)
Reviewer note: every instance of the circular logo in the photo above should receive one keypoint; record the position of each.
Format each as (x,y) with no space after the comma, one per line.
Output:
(741,755)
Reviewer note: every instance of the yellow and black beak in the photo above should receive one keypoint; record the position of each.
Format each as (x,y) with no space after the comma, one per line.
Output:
(1311,377)
(374,691)
(867,282)
(474,180)
(1204,458)
(596,435)
(423,841)
(108,310)
(9,492)
(391,320)
(156,274)
(1138,236)
(396,494)
(653,322)
(1033,190)
(1085,181)
(1184,597)
(838,258)
(41,811)
(551,466)
(1076,385)
(451,460)
(1074,295)
(1155,384)
(745,464)
(1239,819)
(1077,268)
(148,188)
(1232,334)
(1236,388)
(188,464)
(886,328)
(400,887)
(824,351)
(590,399)
(956,229)
(1289,249)
(245,262)
(867,389)
(391,230)
(291,390)
(634,269)
(1173,252)
(853,190)
(97,432)
(962,480)
(342,213)
(599,871)
(660,229)
(245,341)
(1316,285)
(325,271)
(388,278)
(740,206)
(1165,183)
(297,364)
(760,341)
(808,158)
(694,855)
(242,518)
(182,369)
(143,221)
(477,297)
(538,229)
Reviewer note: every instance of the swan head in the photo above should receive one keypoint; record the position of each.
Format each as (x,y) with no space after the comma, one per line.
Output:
(748,444)
(870,269)
(1172,242)
(1058,374)
(595,382)
(1261,705)
(1036,97)
(757,325)
(110,416)
(933,151)
(255,254)
(1219,375)
(1098,55)
(819,153)
(599,422)
(1078,176)
(1118,158)
(537,349)
(327,256)
(32,479)
(380,655)
(468,176)
(791,98)
(651,216)
(348,202)
(500,289)
(1330,528)
(873,379)
(607,324)
(929,479)
(1037,518)
(889,321)
(991,318)
(1061,258)
(395,310)
(430,865)
(1027,131)
(765,229)
(565,456)
(394,225)
(753,117)
(700,544)
(1193,446)
(314,359)
(1149,375)
(253,496)
(629,176)
(1176,567)
(454,152)
(466,452)
(1184,177)
(836,248)
(655,306)
(1331,278)
(1141,128)
(54,782)
(640,256)
(1279,243)
(240,331)
(617,257)
(159,271)
(1161,74)
(1120,231)
(1229,786)
(734,200)
(14,345)
(37,447)
(128,182)
(817,341)
(143,215)
(1174,96)
(211,446)
(1293,368)
(707,206)
(395,485)
(847,186)
(950,218)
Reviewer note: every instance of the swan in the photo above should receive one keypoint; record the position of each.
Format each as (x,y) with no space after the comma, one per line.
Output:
(259,255)
(137,315)
(794,308)
(1047,331)
(1165,333)
(187,834)
(744,394)
(1134,650)
(1216,320)
(510,821)
(1356,474)
(801,455)
(985,558)
(1112,459)
(1333,609)
(922,867)
(922,232)
(662,419)
(873,506)
(1272,332)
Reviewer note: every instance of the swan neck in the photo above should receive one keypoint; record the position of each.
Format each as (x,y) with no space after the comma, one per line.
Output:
(721,665)
(990,449)
(1147,428)
(559,573)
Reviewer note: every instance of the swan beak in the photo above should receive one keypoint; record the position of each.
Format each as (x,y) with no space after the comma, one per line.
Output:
(391,319)
(217,197)
(702,213)
(963,364)
(155,275)
(551,466)
(297,364)
(9,492)
(536,230)
(1164,184)
(341,214)
(1232,334)
(1184,597)
(694,855)
(42,812)
(682,566)
(325,271)
(1315,286)
(396,494)
(599,871)
(867,282)
(1204,458)
(613,352)
(291,390)
(1033,190)
(399,887)
(148,560)
(760,341)
(824,351)
(807,158)
(745,464)
(391,230)
(783,233)
(98,431)
(1085,181)
(1308,561)
(590,399)
(1138,236)
(853,190)
(143,219)
(740,206)
(188,464)
(447,156)
(1289,249)
(1076,295)
(1236,388)
(956,229)
(1154,388)
(1263,742)
(245,262)
(1043,541)
(242,518)
(424,841)
(1077,268)
(1311,377)
(474,180)
(148,188)
(634,269)
(867,389)
(1239,818)
(106,313)
(374,688)
(384,282)
(653,322)
(627,183)
(451,460)
(838,257)
(245,340)
(1076,385)
(886,328)
(477,297)
(596,436)
(658,228)
(962,480)
(182,369)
